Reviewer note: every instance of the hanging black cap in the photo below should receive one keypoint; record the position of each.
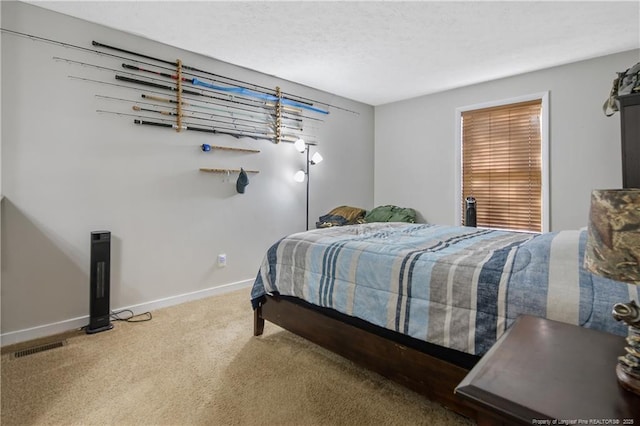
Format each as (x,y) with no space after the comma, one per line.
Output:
(243,180)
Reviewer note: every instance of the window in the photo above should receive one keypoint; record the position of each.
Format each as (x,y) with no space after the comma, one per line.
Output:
(502,164)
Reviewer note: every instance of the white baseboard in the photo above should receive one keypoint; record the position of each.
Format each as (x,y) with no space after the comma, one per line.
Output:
(19,336)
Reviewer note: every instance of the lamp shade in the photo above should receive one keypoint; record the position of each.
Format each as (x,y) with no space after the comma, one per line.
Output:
(300,145)
(316,158)
(613,242)
(299,176)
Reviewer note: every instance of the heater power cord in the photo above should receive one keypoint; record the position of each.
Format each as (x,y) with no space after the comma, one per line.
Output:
(146,316)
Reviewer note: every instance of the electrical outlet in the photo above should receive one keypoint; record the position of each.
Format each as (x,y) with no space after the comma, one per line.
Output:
(222,260)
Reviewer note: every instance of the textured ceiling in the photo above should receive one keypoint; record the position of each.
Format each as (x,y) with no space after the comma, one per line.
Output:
(378,52)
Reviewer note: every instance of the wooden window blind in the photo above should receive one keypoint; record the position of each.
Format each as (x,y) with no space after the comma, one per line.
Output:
(502,165)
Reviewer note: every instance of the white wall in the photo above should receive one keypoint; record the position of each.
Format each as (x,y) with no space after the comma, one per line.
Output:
(415,140)
(68,170)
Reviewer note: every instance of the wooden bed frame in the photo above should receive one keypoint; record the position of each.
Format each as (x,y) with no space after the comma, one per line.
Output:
(425,374)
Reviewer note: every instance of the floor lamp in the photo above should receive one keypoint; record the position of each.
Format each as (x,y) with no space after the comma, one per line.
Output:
(300,175)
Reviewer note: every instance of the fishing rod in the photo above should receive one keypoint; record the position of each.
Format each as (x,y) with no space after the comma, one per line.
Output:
(235,90)
(213,130)
(172,76)
(211,115)
(265,97)
(173,101)
(195,82)
(173,125)
(200,129)
(248,127)
(191,80)
(195,93)
(289,110)
(297,118)
(185,91)
(235,125)
(285,114)
(98,52)
(175,114)
(238,90)
(186,67)
(71,61)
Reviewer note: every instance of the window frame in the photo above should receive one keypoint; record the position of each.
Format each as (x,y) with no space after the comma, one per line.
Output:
(544,148)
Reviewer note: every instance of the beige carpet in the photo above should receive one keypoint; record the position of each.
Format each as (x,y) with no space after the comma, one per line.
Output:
(198,364)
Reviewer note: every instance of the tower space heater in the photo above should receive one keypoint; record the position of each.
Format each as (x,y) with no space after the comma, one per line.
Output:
(100,274)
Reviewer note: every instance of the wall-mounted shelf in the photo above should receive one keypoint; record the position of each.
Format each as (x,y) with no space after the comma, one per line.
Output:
(206,147)
(226,170)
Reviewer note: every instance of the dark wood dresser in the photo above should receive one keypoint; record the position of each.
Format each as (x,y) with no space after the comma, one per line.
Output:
(629,106)
(548,372)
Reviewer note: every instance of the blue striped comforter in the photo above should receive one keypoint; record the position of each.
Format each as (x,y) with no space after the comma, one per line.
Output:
(457,287)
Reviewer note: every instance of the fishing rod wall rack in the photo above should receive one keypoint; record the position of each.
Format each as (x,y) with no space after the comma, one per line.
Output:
(179,102)
(234,96)
(274,104)
(203,101)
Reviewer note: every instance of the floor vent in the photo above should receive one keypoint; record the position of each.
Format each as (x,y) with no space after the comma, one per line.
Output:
(37,349)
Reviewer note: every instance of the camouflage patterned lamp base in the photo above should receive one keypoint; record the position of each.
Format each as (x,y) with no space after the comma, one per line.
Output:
(628,368)
(627,380)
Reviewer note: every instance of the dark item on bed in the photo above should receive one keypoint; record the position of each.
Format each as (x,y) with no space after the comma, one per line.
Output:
(340,216)
(429,371)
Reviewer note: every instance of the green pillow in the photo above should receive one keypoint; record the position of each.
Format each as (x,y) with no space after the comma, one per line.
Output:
(391,213)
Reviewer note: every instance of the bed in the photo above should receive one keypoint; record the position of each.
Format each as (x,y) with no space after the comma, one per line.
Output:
(421,303)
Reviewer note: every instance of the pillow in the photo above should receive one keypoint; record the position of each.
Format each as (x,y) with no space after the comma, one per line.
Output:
(391,213)
(351,214)
(343,215)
